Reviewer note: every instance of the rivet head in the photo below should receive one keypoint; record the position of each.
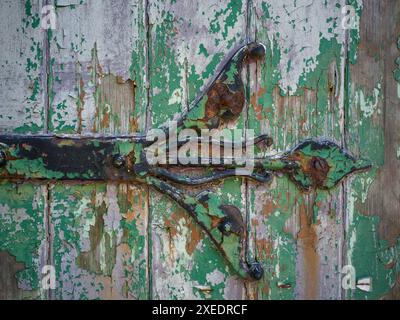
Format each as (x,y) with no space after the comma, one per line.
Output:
(256,270)
(3,159)
(225,227)
(118,161)
(319,164)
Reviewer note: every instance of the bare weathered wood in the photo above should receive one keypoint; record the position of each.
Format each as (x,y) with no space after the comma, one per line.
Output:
(99,246)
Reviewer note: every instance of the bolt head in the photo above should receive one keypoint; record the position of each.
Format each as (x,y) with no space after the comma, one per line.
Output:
(225,227)
(119,161)
(3,159)
(319,164)
(256,271)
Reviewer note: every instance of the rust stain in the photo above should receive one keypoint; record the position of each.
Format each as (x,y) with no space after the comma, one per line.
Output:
(224,103)
(280,104)
(204,289)
(135,200)
(105,118)
(308,241)
(268,208)
(131,214)
(226,96)
(170,223)
(266,289)
(316,168)
(133,124)
(215,221)
(256,106)
(284,285)
(194,235)
(81,103)
(264,249)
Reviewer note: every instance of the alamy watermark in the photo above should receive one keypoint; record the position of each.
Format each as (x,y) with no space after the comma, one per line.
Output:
(48,277)
(204,147)
(350,282)
(350,19)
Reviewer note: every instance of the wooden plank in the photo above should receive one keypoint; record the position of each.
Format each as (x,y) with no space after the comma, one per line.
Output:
(99,244)
(372,131)
(187,42)
(21,64)
(97,67)
(99,241)
(297,93)
(23,241)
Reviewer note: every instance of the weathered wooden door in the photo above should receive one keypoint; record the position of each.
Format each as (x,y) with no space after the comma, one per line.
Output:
(118,67)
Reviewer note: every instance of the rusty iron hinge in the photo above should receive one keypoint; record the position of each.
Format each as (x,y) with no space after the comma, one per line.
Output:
(312,164)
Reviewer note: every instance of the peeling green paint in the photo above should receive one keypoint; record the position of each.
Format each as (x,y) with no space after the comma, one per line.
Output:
(370,256)
(23,233)
(168,80)
(33,106)
(86,249)
(354,33)
(165,73)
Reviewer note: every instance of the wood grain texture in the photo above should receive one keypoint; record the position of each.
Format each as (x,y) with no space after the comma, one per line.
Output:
(23,223)
(119,67)
(187,41)
(99,243)
(297,94)
(91,60)
(372,130)
(22,80)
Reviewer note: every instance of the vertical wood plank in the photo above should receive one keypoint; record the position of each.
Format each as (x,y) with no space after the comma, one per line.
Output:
(99,244)
(298,94)
(21,65)
(23,243)
(23,247)
(187,42)
(97,67)
(372,115)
